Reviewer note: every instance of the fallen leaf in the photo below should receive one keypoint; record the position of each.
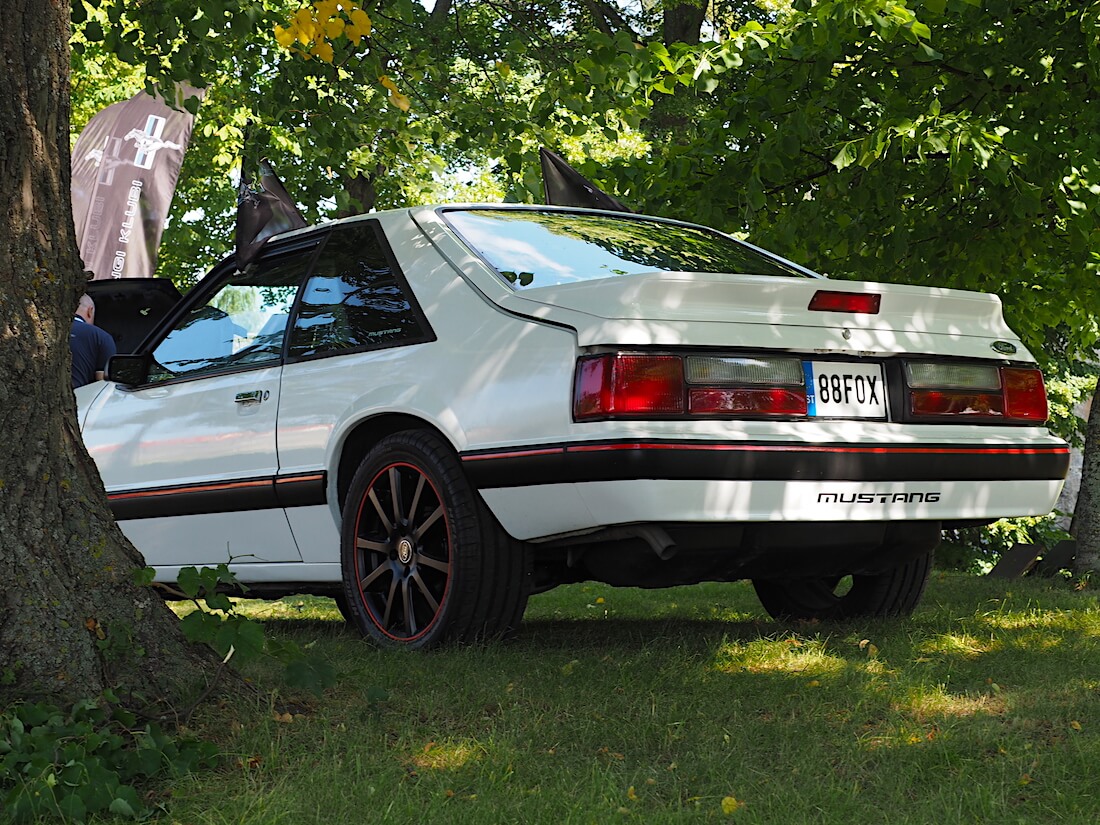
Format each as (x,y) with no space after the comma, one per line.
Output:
(730,804)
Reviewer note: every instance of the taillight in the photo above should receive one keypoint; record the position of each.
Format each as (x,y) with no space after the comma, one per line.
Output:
(976,391)
(829,301)
(626,384)
(616,385)
(747,401)
(1025,394)
(745,386)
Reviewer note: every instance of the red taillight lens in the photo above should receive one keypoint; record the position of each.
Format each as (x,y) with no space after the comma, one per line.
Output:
(747,401)
(648,384)
(1025,394)
(953,402)
(592,388)
(951,389)
(619,384)
(827,301)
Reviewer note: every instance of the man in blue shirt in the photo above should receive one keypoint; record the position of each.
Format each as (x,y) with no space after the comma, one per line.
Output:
(91,346)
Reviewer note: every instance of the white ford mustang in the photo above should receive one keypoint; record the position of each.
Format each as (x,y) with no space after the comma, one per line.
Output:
(432,413)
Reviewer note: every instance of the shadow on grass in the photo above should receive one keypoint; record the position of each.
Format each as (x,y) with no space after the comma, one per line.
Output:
(627,634)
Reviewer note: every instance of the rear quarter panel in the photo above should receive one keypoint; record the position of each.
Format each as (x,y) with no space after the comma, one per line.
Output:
(489,378)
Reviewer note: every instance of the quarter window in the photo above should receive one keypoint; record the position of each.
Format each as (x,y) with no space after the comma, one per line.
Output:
(356,299)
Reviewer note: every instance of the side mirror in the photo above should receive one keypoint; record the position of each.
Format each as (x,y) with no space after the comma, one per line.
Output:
(130,370)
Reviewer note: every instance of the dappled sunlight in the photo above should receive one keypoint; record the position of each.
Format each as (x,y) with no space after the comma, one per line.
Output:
(300,607)
(1085,622)
(447,756)
(963,645)
(929,703)
(789,655)
(904,734)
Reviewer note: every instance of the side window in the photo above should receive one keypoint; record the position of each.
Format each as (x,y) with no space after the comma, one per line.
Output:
(356,298)
(242,324)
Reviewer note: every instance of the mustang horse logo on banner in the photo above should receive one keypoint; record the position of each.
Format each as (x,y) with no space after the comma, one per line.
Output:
(124,170)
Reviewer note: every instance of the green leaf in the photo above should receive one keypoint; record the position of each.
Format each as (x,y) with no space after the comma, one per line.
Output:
(312,674)
(93,32)
(845,157)
(143,576)
(376,694)
(244,636)
(72,807)
(189,581)
(920,30)
(219,601)
(120,807)
(926,54)
(200,627)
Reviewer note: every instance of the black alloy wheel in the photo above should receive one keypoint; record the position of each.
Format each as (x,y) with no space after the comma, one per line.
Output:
(423,561)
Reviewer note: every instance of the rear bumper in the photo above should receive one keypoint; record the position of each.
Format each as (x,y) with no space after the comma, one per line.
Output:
(553,489)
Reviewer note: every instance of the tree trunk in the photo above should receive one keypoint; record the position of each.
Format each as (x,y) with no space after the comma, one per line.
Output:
(682,23)
(362,192)
(72,623)
(1086,517)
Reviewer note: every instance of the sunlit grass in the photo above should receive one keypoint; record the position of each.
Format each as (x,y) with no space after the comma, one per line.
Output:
(964,645)
(789,655)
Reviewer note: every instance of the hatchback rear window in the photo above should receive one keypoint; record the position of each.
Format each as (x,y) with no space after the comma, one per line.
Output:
(533,247)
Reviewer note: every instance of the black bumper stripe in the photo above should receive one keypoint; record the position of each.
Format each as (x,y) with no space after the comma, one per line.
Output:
(711,461)
(238,495)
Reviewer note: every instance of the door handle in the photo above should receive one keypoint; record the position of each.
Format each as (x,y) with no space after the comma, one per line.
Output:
(253,397)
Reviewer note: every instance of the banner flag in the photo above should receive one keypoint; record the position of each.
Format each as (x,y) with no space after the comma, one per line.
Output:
(565,186)
(124,170)
(263,209)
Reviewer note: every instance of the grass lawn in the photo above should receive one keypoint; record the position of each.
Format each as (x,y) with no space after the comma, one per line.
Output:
(682,705)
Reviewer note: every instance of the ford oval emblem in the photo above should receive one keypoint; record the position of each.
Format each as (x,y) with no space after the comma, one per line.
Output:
(1004,347)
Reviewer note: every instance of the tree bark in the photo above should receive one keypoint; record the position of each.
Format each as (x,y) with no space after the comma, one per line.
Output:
(362,192)
(683,23)
(72,623)
(1086,514)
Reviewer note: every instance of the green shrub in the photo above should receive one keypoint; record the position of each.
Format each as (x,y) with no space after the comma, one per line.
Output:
(87,760)
(977,549)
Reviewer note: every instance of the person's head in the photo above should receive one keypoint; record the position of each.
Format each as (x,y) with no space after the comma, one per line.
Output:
(86,308)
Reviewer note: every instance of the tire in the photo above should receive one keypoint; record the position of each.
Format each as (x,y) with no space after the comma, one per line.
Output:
(341,600)
(423,561)
(895,592)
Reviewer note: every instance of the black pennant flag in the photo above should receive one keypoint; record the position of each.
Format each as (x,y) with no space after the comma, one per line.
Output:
(263,209)
(565,186)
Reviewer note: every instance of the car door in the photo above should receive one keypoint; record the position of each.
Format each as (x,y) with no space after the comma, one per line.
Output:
(188,456)
(356,317)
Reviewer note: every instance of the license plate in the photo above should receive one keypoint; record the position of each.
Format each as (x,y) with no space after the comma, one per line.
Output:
(837,389)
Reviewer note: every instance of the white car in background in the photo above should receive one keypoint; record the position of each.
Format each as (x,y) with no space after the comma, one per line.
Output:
(433,413)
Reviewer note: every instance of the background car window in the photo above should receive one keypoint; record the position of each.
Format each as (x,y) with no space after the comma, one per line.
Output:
(355,299)
(242,324)
(532,248)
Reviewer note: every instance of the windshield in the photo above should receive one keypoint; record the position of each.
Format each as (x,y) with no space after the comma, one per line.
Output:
(533,248)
